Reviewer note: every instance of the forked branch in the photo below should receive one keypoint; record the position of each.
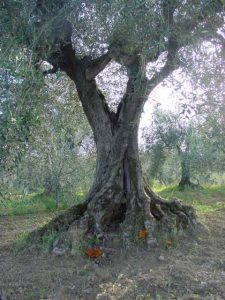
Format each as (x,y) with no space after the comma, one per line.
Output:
(97,65)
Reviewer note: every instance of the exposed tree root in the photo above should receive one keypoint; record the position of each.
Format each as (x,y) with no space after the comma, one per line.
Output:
(159,207)
(60,223)
(162,218)
(188,184)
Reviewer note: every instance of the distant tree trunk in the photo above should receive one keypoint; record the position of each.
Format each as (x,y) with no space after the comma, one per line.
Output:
(48,185)
(52,187)
(52,184)
(185,171)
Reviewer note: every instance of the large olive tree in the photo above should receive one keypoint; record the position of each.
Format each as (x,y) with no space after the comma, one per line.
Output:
(81,38)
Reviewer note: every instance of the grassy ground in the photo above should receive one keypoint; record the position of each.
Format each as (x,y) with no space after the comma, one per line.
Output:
(35,203)
(205,200)
(193,269)
(40,202)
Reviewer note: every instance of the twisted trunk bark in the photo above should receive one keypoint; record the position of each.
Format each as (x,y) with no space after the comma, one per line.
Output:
(119,196)
(118,187)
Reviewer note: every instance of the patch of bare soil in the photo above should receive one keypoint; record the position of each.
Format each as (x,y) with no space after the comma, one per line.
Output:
(191,270)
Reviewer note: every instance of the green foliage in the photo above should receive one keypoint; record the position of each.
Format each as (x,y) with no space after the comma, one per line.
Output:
(45,140)
(20,104)
(47,240)
(21,243)
(93,242)
(157,157)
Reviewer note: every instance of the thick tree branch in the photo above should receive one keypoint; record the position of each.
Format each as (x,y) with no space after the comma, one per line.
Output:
(97,65)
(168,8)
(138,89)
(49,7)
(171,64)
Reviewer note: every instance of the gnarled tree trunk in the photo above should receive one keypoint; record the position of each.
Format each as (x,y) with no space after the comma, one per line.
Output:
(118,187)
(119,197)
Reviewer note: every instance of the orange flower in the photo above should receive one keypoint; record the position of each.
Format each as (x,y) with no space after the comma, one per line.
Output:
(143,233)
(169,243)
(93,252)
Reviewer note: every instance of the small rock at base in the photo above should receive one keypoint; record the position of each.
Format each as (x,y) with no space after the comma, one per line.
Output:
(161,258)
(103,296)
(194,297)
(152,243)
(58,252)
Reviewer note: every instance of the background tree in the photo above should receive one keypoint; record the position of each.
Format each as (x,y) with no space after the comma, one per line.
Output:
(137,35)
(201,90)
(63,142)
(209,96)
(58,154)
(180,135)
(20,106)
